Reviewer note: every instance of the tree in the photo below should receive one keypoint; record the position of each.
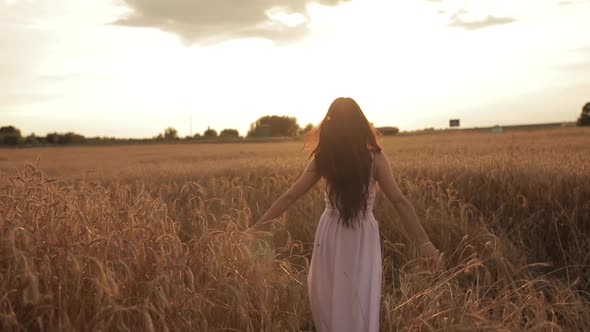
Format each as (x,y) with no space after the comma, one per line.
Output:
(230,133)
(584,119)
(170,134)
(9,135)
(52,138)
(31,139)
(274,126)
(67,138)
(210,133)
(388,131)
(72,138)
(306,129)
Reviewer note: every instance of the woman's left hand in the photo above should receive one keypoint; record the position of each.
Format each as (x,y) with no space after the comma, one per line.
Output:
(257,229)
(434,259)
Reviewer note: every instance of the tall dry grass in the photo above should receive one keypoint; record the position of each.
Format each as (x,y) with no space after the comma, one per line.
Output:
(149,237)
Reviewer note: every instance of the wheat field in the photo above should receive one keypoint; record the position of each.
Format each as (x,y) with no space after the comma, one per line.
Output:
(149,238)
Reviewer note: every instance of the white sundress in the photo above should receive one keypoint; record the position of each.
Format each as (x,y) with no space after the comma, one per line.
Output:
(344,280)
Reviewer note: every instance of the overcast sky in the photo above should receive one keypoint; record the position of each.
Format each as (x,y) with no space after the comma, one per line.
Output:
(130,68)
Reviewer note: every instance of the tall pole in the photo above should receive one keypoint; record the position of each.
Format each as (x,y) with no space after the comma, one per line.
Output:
(190,116)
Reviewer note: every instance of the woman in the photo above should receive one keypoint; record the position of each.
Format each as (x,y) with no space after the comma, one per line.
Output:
(344,280)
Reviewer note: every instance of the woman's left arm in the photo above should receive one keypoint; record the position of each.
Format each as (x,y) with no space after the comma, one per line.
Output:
(305,182)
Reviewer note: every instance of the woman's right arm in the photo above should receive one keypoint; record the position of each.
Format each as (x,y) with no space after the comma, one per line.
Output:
(305,182)
(404,208)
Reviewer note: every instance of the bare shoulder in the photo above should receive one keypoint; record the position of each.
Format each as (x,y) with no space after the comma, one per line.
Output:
(312,166)
(381,162)
(379,155)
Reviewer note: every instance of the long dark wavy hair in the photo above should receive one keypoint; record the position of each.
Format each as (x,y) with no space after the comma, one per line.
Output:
(344,144)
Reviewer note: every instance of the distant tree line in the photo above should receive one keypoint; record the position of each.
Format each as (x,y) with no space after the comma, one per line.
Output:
(11,136)
(269,126)
(265,127)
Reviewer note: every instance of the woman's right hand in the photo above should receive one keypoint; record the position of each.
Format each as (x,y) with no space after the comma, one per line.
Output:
(253,230)
(258,229)
(433,257)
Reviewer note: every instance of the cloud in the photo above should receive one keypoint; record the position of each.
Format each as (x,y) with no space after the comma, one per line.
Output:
(458,20)
(206,21)
(488,21)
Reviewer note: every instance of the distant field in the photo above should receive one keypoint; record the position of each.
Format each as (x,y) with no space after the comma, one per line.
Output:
(147,237)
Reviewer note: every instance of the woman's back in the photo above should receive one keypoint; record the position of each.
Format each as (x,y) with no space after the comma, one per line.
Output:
(370,200)
(344,280)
